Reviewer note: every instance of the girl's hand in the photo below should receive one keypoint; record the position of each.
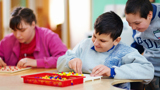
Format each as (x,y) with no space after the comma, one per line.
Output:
(27,62)
(2,63)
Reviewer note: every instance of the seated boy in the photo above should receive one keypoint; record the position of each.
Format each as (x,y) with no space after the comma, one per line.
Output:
(104,54)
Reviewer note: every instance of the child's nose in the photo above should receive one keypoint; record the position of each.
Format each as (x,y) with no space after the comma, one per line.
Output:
(133,27)
(96,42)
(18,34)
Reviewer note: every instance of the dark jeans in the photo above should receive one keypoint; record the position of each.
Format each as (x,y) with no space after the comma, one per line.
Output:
(134,86)
(137,86)
(154,84)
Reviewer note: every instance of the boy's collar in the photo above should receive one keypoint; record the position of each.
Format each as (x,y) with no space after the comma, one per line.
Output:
(154,11)
(93,48)
(107,51)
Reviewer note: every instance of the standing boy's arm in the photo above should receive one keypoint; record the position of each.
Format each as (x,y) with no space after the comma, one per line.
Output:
(135,66)
(136,45)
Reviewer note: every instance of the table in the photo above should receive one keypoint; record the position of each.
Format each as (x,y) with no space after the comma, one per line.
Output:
(13,81)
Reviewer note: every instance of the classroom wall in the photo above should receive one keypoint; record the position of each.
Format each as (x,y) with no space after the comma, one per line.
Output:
(79,20)
(98,7)
(157,1)
(6,16)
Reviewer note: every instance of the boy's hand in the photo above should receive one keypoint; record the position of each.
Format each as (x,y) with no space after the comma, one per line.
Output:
(2,63)
(101,70)
(76,65)
(27,62)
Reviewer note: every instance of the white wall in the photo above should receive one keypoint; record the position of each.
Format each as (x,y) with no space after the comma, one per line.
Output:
(79,20)
(32,5)
(6,16)
(126,36)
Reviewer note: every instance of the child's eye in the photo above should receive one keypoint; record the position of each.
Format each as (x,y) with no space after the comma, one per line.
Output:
(94,36)
(22,30)
(129,24)
(103,41)
(137,23)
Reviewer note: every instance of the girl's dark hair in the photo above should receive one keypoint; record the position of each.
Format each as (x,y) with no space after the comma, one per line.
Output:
(109,23)
(138,6)
(20,14)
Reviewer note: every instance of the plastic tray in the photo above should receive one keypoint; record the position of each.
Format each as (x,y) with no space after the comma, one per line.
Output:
(36,79)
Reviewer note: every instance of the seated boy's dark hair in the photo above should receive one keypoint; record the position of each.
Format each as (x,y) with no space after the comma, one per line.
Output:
(138,6)
(20,14)
(109,23)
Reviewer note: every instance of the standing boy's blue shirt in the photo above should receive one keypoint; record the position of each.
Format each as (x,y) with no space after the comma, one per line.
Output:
(126,61)
(150,40)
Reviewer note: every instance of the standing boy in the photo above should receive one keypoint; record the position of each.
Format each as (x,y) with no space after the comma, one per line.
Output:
(104,54)
(144,18)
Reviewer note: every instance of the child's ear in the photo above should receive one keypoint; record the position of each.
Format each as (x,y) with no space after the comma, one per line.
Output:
(150,15)
(33,23)
(115,42)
